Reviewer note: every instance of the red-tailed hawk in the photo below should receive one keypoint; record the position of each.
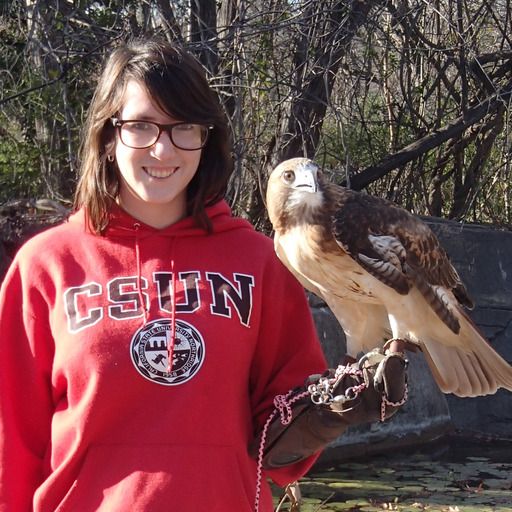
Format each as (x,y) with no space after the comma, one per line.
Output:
(383,274)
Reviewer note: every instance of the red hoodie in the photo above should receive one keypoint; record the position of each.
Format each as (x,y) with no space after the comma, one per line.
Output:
(91,419)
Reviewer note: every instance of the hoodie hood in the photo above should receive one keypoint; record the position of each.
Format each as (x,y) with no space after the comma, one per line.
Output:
(122,224)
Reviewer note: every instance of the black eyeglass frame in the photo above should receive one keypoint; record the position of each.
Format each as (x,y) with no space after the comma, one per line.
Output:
(118,123)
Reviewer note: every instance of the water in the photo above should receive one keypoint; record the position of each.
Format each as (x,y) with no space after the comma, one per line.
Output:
(457,474)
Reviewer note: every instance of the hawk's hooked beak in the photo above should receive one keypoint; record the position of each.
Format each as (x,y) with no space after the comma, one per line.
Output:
(306,178)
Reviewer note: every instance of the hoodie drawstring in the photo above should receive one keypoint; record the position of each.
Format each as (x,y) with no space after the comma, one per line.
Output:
(139,275)
(172,339)
(172,336)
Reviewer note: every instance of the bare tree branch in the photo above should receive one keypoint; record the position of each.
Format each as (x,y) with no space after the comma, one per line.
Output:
(432,140)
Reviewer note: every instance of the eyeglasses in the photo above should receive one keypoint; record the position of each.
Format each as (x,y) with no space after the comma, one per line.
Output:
(143,134)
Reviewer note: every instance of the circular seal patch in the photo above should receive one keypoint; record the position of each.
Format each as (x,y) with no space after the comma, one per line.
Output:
(150,356)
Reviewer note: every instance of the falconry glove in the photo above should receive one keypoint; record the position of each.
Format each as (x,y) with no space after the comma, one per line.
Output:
(312,416)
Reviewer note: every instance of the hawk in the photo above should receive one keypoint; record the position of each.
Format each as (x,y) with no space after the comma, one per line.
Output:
(383,274)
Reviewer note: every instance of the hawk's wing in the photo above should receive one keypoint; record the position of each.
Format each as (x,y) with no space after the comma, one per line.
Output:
(398,249)
(389,242)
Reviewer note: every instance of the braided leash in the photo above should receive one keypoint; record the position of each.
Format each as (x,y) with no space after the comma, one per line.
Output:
(386,401)
(320,393)
(283,406)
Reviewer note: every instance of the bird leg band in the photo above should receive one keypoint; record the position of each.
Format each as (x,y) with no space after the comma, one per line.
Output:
(312,416)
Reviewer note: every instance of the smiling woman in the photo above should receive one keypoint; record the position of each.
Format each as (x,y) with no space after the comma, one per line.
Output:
(154,178)
(157,311)
(143,82)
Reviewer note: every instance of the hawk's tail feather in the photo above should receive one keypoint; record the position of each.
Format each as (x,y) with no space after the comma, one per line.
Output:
(474,369)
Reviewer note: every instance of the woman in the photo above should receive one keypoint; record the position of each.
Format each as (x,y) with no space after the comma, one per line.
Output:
(144,340)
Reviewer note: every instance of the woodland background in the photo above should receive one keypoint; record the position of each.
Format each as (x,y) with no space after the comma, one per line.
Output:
(409,100)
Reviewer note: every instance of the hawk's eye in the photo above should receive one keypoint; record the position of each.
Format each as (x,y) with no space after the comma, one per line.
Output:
(288,175)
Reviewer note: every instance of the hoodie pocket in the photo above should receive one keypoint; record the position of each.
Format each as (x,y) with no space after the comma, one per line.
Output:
(151,478)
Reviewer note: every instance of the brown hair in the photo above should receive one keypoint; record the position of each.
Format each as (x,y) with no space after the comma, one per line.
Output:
(176,83)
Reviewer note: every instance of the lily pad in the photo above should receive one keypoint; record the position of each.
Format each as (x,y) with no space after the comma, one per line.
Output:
(410,489)
(368,486)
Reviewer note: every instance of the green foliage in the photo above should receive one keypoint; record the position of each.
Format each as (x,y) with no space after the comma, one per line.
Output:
(43,97)
(19,170)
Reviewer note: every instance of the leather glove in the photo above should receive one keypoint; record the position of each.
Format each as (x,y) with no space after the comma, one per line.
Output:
(312,416)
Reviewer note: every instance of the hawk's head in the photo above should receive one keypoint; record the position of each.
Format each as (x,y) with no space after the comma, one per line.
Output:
(293,191)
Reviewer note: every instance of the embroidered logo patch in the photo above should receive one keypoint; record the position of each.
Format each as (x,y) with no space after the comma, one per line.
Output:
(150,356)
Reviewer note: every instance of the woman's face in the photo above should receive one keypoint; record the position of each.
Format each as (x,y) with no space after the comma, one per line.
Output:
(154,180)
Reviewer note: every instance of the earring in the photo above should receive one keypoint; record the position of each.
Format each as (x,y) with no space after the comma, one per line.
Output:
(110,157)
